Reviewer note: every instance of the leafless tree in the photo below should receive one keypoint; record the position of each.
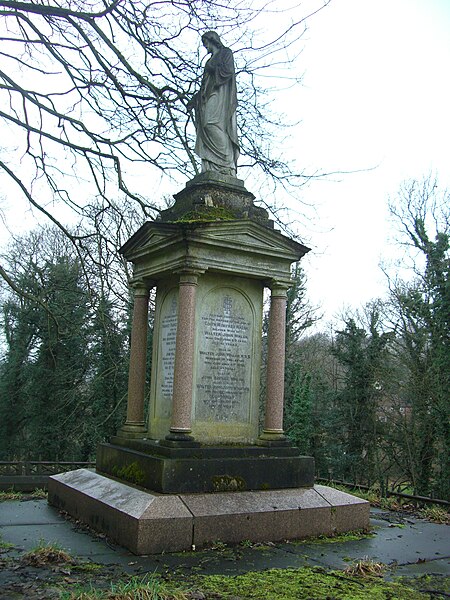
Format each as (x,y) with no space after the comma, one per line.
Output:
(90,88)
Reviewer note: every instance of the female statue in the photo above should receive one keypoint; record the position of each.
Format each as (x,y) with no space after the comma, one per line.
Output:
(215,110)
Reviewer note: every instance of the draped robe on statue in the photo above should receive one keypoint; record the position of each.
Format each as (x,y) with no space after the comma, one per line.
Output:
(215,112)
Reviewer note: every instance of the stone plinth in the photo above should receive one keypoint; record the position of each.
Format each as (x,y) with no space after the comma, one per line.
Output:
(149,523)
(204,469)
(215,195)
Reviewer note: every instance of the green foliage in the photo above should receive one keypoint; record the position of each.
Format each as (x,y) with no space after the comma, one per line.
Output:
(63,375)
(363,355)
(106,378)
(299,420)
(421,309)
(300,315)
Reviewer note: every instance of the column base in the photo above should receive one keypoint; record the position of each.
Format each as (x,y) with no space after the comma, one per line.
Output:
(273,438)
(179,439)
(132,431)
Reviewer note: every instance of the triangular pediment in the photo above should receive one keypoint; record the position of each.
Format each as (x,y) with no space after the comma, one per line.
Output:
(251,236)
(242,236)
(150,235)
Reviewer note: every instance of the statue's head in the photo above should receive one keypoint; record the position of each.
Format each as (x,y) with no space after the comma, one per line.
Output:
(213,38)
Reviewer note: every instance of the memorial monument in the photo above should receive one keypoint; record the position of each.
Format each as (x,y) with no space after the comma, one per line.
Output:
(199,469)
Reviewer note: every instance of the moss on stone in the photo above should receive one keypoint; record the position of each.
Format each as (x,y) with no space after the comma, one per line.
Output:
(132,473)
(209,213)
(227,483)
(349,536)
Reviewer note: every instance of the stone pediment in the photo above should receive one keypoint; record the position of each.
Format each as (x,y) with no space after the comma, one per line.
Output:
(150,235)
(242,235)
(252,237)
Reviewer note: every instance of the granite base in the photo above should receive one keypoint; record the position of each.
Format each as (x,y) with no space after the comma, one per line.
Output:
(149,523)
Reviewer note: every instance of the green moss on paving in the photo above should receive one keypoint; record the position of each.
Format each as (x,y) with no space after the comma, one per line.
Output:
(292,584)
(349,536)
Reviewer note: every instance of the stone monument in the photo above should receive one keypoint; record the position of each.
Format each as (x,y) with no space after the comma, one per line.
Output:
(199,469)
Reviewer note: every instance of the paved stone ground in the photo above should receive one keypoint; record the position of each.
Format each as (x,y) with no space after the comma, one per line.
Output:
(409,544)
(398,539)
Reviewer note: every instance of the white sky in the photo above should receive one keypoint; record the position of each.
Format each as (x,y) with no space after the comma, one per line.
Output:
(376,93)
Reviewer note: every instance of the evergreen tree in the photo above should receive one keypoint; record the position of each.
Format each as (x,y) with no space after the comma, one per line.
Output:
(57,371)
(107,380)
(299,418)
(363,356)
(421,312)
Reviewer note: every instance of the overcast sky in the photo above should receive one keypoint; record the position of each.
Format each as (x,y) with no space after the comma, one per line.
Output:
(376,93)
(375,99)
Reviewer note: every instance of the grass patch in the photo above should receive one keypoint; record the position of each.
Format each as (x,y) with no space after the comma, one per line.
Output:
(45,555)
(308,583)
(5,545)
(149,588)
(10,495)
(37,494)
(436,514)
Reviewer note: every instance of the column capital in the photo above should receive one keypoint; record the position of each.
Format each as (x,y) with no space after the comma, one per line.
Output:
(279,287)
(141,287)
(189,276)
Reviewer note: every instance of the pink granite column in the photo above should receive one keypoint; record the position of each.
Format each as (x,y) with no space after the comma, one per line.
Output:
(134,426)
(273,422)
(183,375)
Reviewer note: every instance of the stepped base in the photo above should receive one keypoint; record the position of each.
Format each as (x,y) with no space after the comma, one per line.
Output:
(173,470)
(150,523)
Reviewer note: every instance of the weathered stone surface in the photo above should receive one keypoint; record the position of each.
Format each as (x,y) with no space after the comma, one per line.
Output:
(237,247)
(144,523)
(150,523)
(207,193)
(204,469)
(258,516)
(225,392)
(349,512)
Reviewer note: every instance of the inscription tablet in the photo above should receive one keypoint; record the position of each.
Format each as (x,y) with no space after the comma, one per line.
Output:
(166,354)
(224,360)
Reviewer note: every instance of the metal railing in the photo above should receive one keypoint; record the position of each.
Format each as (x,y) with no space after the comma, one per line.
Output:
(25,476)
(355,486)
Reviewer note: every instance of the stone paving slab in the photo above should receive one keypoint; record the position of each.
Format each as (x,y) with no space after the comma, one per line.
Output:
(417,547)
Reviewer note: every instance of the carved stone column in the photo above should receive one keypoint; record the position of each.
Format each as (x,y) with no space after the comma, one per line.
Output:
(276,349)
(134,426)
(180,427)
